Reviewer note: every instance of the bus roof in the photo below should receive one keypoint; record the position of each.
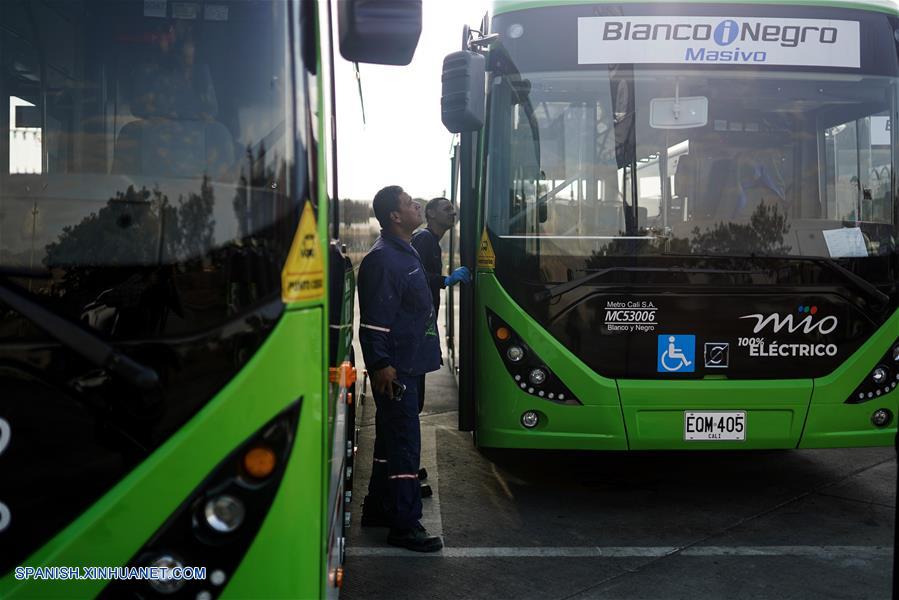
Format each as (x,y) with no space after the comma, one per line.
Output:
(885,6)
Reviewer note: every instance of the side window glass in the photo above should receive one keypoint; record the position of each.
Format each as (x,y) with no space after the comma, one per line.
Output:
(525,172)
(877,208)
(858,170)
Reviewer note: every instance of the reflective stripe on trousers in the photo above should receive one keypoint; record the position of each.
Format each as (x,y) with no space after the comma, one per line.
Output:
(398,438)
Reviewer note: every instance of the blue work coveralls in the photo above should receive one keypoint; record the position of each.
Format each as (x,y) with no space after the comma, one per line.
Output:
(428,247)
(397,328)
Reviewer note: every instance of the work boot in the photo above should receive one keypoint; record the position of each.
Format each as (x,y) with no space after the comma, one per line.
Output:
(415,539)
(373,515)
(426,491)
(422,474)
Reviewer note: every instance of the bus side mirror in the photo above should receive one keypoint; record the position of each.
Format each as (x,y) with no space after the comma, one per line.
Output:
(462,105)
(381,32)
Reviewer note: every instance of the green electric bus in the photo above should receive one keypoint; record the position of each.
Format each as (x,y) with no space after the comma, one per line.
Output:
(684,217)
(176,373)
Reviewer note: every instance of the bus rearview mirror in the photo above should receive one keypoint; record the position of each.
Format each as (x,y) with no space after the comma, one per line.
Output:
(462,105)
(379,32)
(678,113)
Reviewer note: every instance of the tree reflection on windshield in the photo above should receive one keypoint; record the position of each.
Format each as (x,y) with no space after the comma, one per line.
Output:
(764,233)
(117,263)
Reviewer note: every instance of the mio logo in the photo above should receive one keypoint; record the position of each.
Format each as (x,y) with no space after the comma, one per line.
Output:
(791,323)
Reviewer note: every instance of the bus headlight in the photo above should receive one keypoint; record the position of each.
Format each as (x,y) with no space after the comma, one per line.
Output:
(529,419)
(224,513)
(882,379)
(515,353)
(215,525)
(881,417)
(166,585)
(528,370)
(537,376)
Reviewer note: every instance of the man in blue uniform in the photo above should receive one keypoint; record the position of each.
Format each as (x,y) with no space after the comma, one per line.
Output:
(398,335)
(441,216)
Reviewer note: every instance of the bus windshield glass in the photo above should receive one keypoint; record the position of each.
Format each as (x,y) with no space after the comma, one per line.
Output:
(616,160)
(147,170)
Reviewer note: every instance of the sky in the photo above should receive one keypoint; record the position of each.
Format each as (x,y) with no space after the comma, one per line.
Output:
(403,141)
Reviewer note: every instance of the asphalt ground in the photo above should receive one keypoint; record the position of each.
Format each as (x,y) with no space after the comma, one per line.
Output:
(524,524)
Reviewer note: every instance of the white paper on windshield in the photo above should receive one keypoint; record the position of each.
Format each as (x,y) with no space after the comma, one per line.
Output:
(719,40)
(215,12)
(847,241)
(155,8)
(184,10)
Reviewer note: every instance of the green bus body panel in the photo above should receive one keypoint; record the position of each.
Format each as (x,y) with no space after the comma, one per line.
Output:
(649,414)
(285,559)
(596,425)
(654,411)
(833,424)
(884,6)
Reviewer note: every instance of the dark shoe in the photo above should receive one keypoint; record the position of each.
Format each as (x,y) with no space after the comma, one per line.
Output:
(373,515)
(426,491)
(422,474)
(415,539)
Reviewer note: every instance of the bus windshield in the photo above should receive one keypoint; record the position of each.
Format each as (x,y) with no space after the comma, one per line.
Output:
(147,170)
(792,164)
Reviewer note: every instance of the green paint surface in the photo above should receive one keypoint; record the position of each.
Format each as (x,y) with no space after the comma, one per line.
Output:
(596,425)
(648,414)
(285,559)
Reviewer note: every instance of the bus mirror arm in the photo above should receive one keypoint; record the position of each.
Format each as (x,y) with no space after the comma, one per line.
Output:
(474,44)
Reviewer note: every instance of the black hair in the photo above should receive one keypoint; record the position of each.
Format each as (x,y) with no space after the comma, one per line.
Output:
(432,204)
(386,201)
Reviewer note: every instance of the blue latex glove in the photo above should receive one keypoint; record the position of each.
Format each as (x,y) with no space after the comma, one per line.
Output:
(461,274)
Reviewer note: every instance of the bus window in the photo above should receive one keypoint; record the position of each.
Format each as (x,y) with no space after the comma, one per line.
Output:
(841,171)
(857,169)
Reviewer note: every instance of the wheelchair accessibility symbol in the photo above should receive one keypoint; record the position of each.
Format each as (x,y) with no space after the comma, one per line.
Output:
(677,353)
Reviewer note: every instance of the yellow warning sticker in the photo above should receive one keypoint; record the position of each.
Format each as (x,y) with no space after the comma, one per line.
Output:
(303,277)
(486,257)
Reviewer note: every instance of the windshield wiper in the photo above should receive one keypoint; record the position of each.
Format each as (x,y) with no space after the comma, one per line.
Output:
(558,290)
(74,337)
(860,283)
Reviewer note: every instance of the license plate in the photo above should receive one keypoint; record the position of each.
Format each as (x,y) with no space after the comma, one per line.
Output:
(713,426)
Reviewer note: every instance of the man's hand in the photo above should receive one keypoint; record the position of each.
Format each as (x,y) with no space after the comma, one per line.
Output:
(461,274)
(381,380)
